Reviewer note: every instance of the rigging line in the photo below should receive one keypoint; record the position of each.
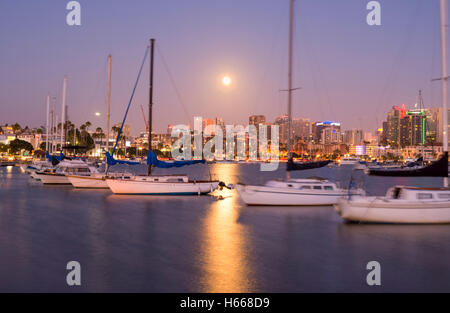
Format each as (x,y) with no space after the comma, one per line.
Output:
(99,81)
(131,99)
(274,44)
(389,87)
(434,49)
(177,92)
(314,63)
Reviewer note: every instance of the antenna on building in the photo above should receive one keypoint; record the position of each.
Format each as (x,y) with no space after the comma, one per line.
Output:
(420,100)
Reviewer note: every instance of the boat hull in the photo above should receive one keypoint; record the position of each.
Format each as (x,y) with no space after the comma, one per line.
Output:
(373,210)
(51,179)
(131,187)
(270,196)
(33,174)
(87,182)
(436,169)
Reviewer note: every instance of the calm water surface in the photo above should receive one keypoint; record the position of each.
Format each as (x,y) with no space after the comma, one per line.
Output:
(201,244)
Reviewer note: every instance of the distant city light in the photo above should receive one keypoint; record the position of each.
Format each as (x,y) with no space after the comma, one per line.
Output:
(360,150)
(328,123)
(97,113)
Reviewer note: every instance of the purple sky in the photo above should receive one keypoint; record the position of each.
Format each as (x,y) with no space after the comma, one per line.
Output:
(349,71)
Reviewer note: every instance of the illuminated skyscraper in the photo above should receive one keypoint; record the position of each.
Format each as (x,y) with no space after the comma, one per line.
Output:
(283,123)
(393,127)
(319,127)
(256,120)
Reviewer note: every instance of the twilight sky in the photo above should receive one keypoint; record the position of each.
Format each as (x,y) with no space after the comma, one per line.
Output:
(349,71)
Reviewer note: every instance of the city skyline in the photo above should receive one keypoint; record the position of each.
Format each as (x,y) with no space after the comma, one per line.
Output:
(372,68)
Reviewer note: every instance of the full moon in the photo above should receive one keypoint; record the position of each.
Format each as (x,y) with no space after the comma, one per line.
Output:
(226,80)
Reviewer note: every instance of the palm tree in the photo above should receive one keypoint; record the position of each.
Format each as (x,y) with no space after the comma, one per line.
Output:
(83,132)
(88,124)
(115,130)
(98,133)
(16,128)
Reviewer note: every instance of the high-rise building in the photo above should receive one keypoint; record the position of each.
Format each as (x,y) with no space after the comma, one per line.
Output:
(256,120)
(301,128)
(354,137)
(412,128)
(417,126)
(393,126)
(405,133)
(331,135)
(198,125)
(432,129)
(439,135)
(319,127)
(283,123)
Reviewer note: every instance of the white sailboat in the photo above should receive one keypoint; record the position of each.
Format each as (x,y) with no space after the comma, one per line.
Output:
(403,204)
(162,184)
(91,181)
(295,192)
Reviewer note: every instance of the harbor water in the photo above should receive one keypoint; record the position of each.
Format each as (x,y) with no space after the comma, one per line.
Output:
(209,243)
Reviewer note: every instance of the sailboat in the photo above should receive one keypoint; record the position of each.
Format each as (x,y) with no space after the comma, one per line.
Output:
(404,204)
(96,180)
(293,192)
(158,184)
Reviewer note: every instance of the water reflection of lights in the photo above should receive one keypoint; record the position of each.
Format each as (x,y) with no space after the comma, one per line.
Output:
(225,250)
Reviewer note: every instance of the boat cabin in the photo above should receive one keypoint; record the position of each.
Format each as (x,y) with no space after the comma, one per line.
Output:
(305,184)
(417,193)
(163,178)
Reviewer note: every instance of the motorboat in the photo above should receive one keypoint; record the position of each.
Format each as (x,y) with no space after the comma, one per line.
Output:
(295,192)
(58,174)
(402,204)
(349,161)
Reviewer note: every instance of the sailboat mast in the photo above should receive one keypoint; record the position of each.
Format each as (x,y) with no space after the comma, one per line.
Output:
(56,133)
(444,79)
(108,109)
(63,111)
(150,101)
(47,125)
(52,146)
(291,44)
